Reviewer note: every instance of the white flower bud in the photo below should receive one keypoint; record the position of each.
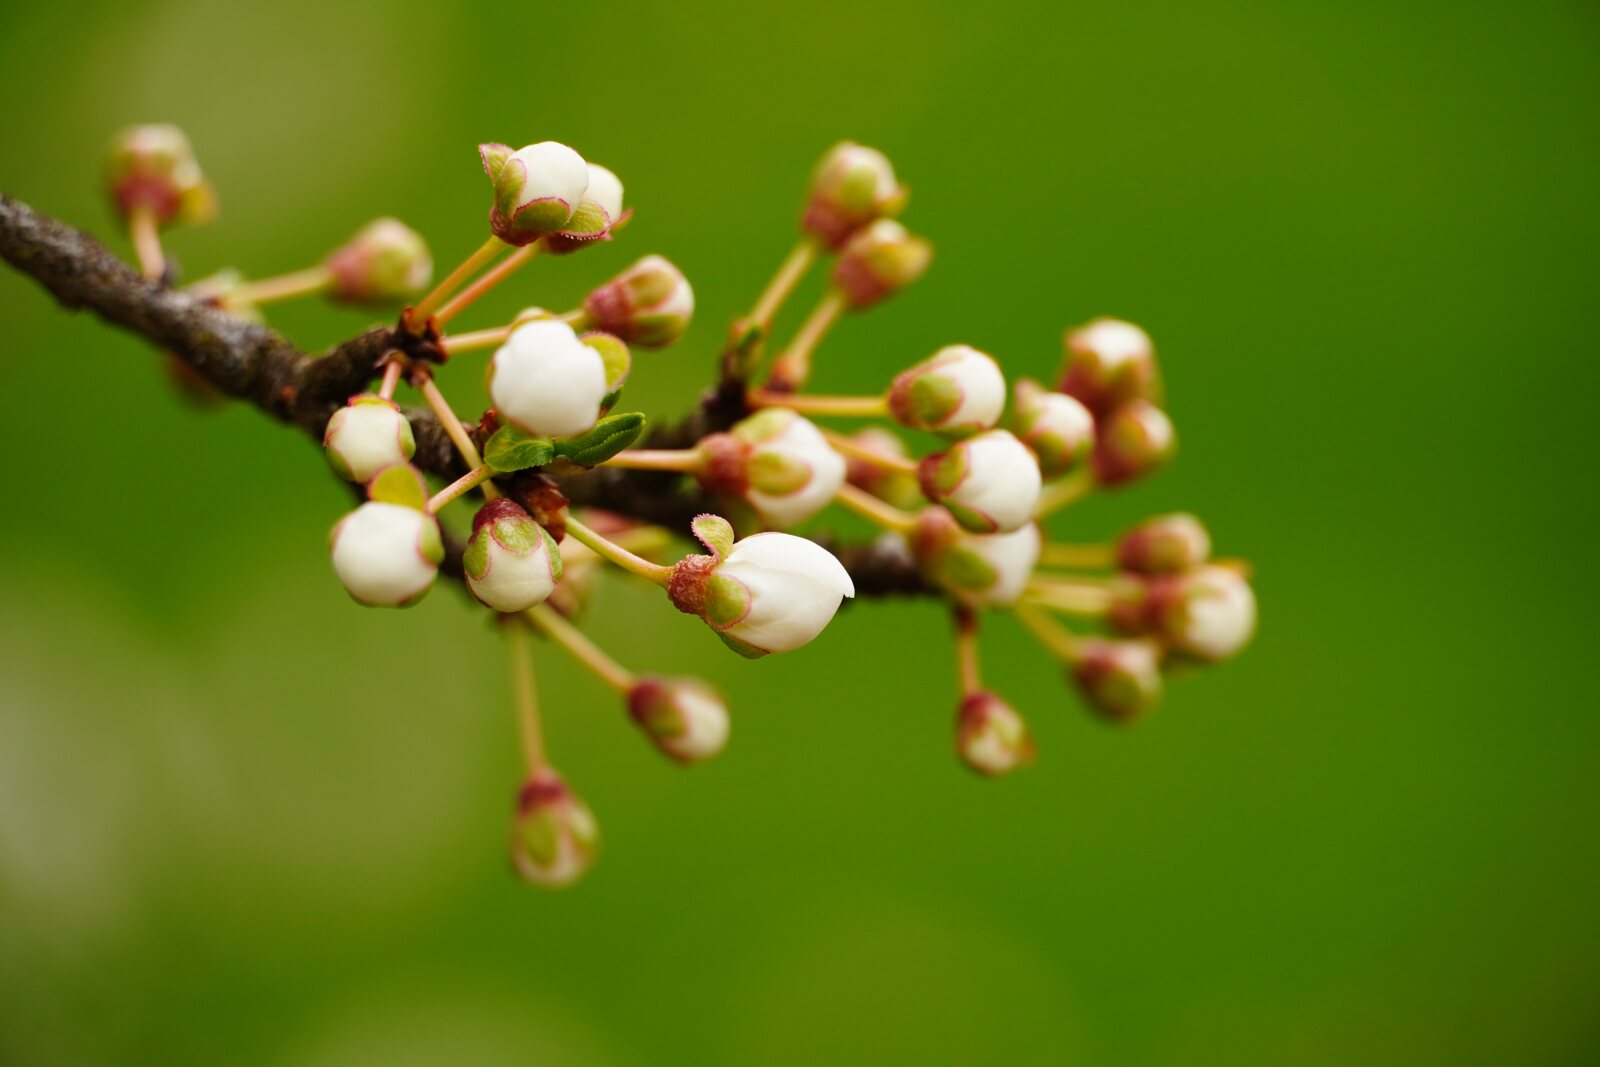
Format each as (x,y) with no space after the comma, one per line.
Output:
(153,168)
(367,435)
(1164,544)
(1109,363)
(1058,428)
(387,554)
(537,189)
(684,717)
(650,304)
(1208,613)
(980,570)
(990,482)
(554,837)
(1120,679)
(546,381)
(991,737)
(779,462)
(879,261)
(1132,441)
(957,390)
(511,562)
(852,185)
(387,260)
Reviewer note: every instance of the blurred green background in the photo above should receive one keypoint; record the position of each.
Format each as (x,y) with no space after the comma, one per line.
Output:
(244,821)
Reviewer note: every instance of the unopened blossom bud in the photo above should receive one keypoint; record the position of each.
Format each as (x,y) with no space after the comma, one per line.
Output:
(604,193)
(1110,362)
(511,562)
(989,482)
(554,837)
(879,261)
(545,381)
(367,435)
(1120,679)
(386,261)
(898,487)
(152,168)
(684,717)
(852,186)
(957,390)
(778,461)
(991,737)
(1057,427)
(1165,544)
(649,304)
(1208,613)
(980,570)
(387,554)
(537,189)
(1131,442)
(771,592)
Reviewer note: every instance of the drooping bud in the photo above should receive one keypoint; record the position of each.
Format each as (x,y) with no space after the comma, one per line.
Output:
(979,570)
(1164,544)
(387,554)
(1110,363)
(604,193)
(367,435)
(386,261)
(1134,440)
(779,462)
(771,592)
(1058,428)
(152,168)
(991,737)
(898,487)
(1120,679)
(958,390)
(1208,613)
(537,189)
(852,186)
(649,304)
(554,837)
(683,717)
(879,261)
(990,482)
(511,562)
(545,381)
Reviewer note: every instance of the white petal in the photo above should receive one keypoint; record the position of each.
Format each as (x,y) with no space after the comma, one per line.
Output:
(377,553)
(794,555)
(1013,557)
(553,171)
(546,381)
(605,189)
(1002,480)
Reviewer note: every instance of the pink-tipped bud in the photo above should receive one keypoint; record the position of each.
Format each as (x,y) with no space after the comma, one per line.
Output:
(990,482)
(852,186)
(1121,680)
(683,717)
(367,435)
(511,562)
(958,391)
(1208,613)
(1108,363)
(979,570)
(991,737)
(386,261)
(1164,544)
(554,837)
(650,304)
(537,189)
(152,168)
(778,461)
(898,487)
(880,260)
(1057,427)
(1134,440)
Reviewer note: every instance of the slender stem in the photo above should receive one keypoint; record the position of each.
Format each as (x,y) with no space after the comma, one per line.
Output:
(502,270)
(578,318)
(554,625)
(870,507)
(393,366)
(1048,631)
(416,317)
(283,287)
(967,667)
(617,554)
(456,343)
(1076,598)
(793,367)
(527,696)
(462,485)
(453,428)
(809,404)
(1068,490)
(687,460)
(1057,554)
(145,234)
(846,446)
(793,268)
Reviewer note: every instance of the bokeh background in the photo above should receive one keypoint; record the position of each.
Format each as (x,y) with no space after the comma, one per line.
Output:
(244,821)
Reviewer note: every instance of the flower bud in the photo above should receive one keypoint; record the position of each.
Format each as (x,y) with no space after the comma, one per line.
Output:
(771,592)
(605,193)
(991,737)
(979,570)
(1131,442)
(152,168)
(511,562)
(537,189)
(547,382)
(779,462)
(1120,679)
(367,435)
(387,554)
(1109,363)
(386,261)
(878,261)
(898,487)
(554,838)
(1165,544)
(1208,613)
(990,482)
(957,390)
(852,186)
(649,304)
(684,717)
(1058,428)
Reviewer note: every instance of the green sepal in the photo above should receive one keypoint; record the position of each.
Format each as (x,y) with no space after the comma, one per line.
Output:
(727,601)
(934,398)
(966,571)
(748,651)
(475,560)
(715,532)
(605,439)
(614,356)
(494,157)
(509,449)
(399,484)
(777,473)
(587,223)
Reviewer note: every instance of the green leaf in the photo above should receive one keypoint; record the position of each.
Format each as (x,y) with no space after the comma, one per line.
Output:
(399,484)
(607,437)
(509,449)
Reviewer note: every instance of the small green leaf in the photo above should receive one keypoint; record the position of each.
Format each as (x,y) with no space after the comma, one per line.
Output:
(399,484)
(609,436)
(509,449)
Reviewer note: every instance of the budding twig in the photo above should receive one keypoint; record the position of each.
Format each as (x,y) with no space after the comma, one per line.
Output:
(416,317)
(553,625)
(615,553)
